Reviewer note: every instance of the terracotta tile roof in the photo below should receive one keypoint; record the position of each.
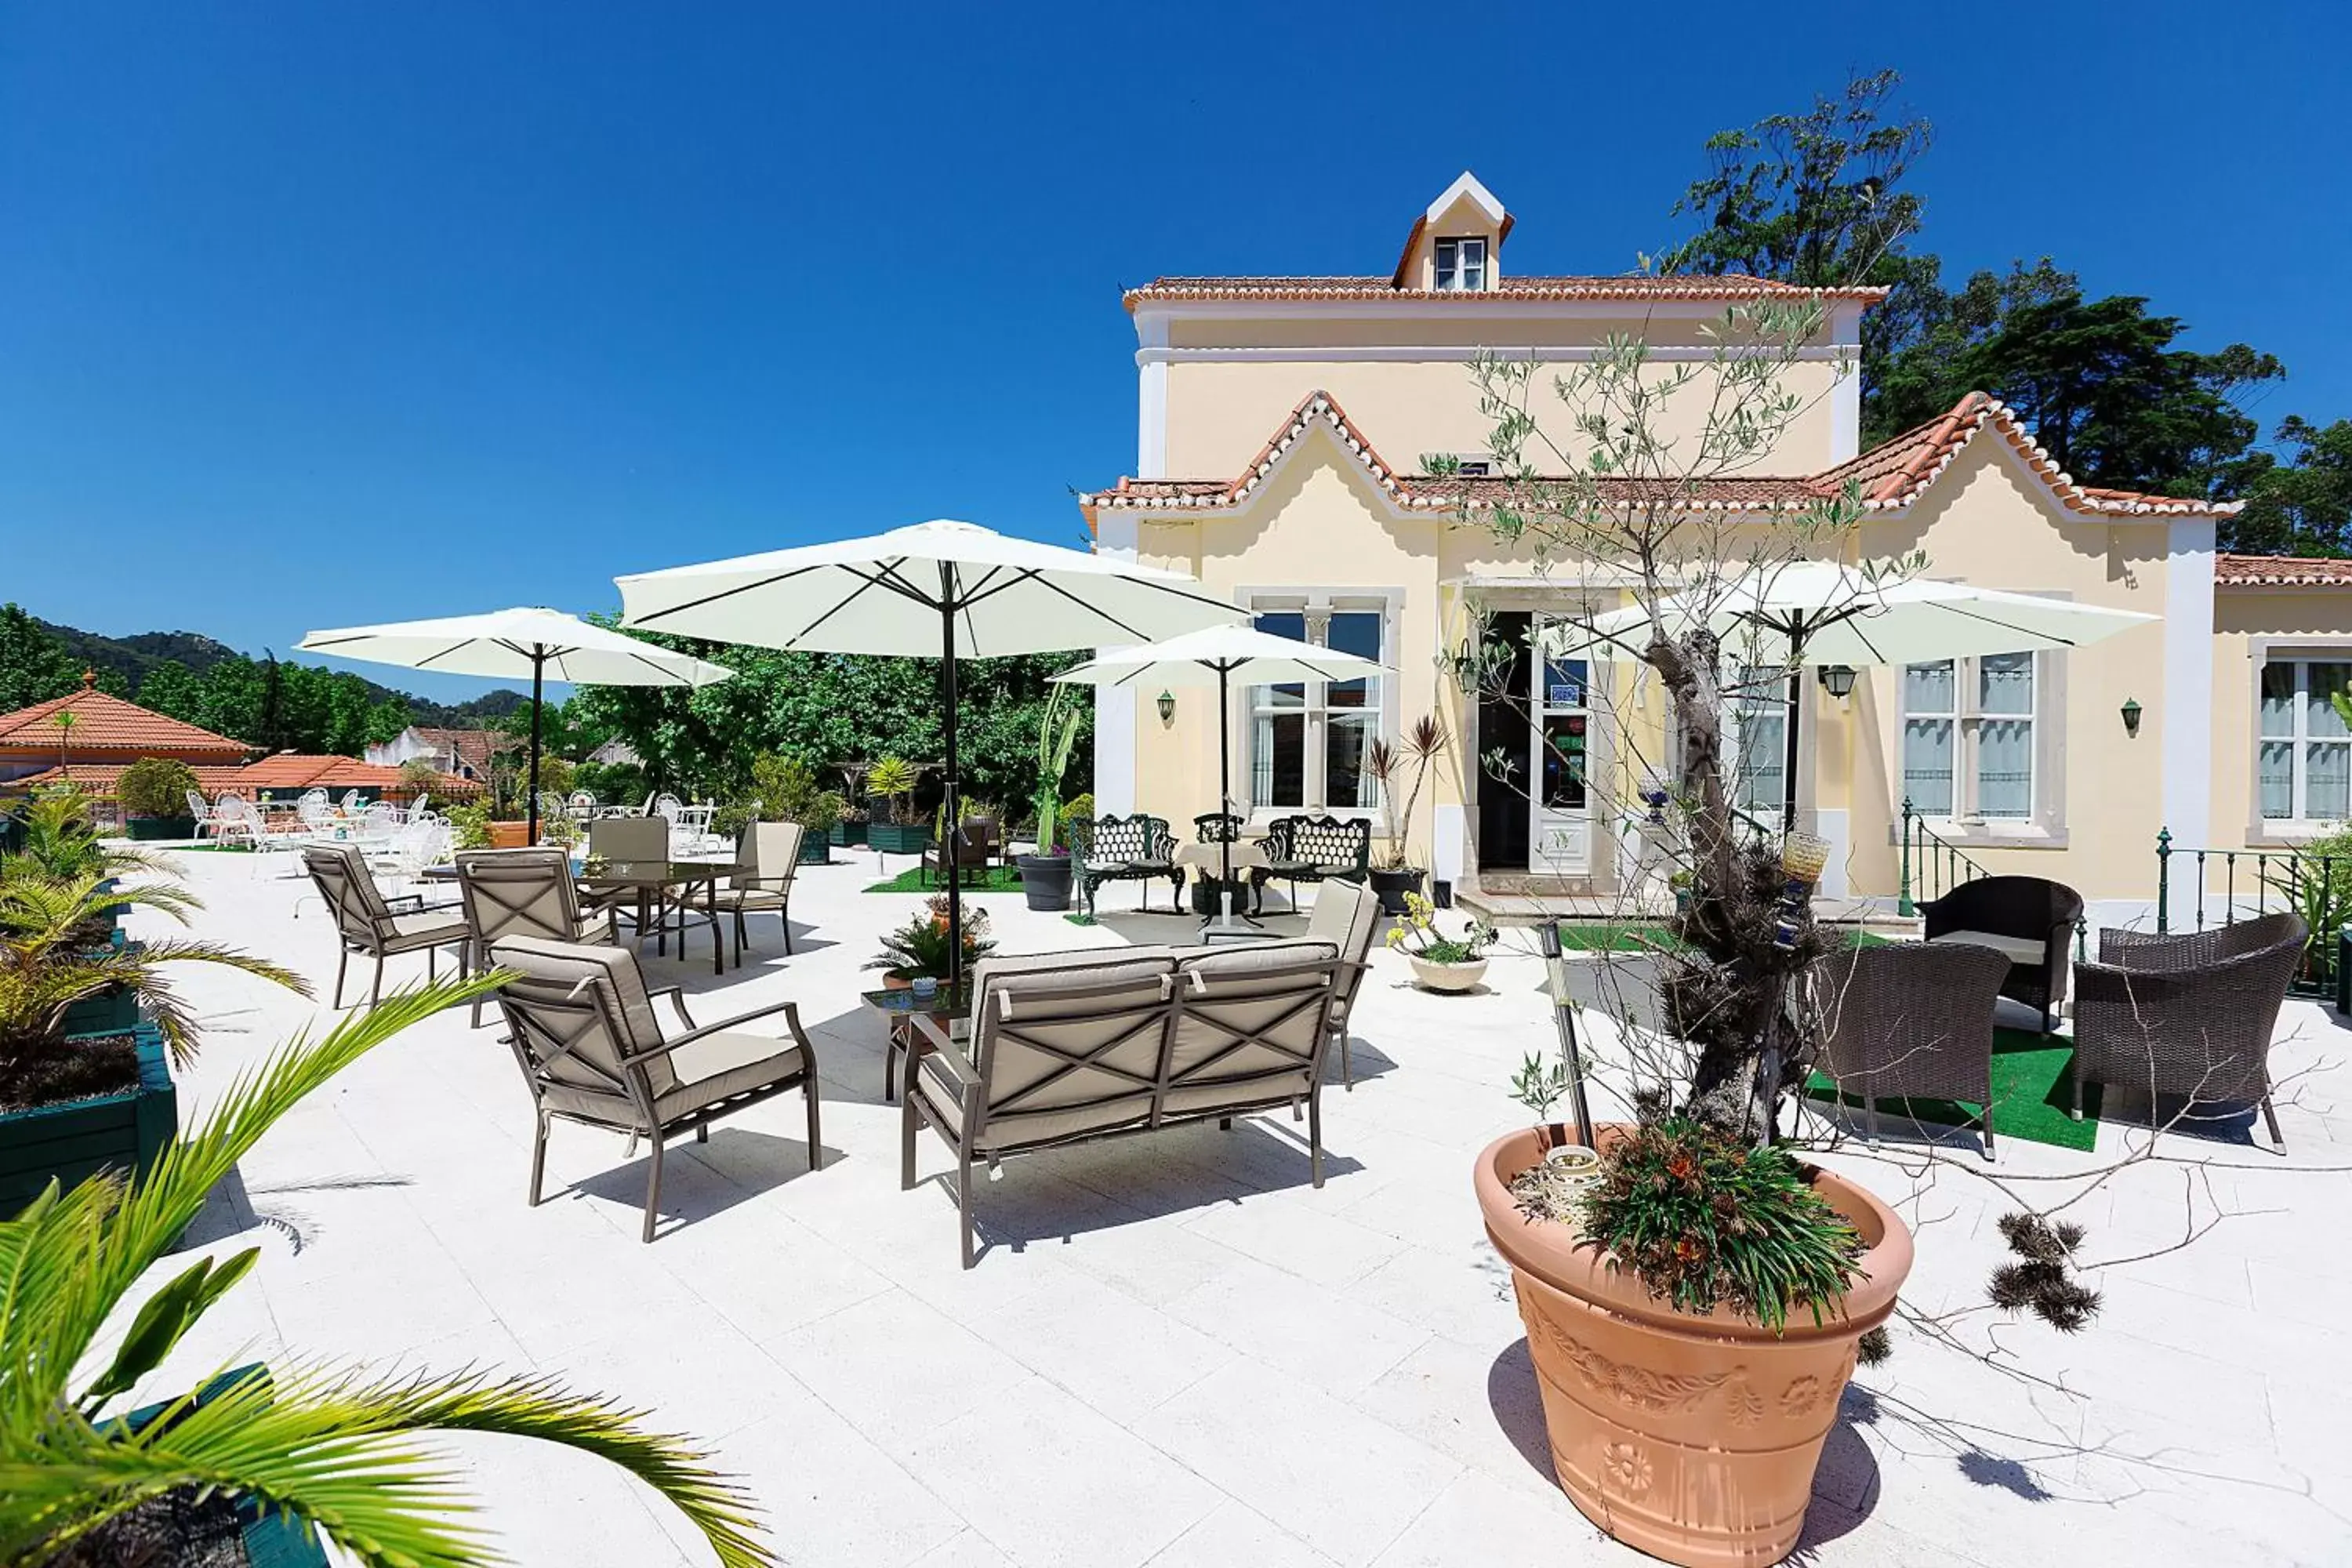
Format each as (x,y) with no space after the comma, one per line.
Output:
(1891,475)
(105,723)
(471,748)
(2281,572)
(286,771)
(1633,286)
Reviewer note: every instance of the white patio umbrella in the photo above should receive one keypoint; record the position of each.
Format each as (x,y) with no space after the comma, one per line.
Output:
(1826,612)
(507,644)
(1211,657)
(944,589)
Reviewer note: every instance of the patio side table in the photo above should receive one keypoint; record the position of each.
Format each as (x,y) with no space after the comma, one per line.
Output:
(902,1008)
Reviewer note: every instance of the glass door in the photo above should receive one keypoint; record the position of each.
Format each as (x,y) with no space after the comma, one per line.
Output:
(1561,824)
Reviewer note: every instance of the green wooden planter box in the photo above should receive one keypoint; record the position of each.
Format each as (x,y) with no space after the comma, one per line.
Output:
(898,837)
(114,1011)
(68,1143)
(270,1539)
(845,834)
(814,849)
(147,828)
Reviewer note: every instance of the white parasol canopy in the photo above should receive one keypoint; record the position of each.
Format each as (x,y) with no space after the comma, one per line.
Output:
(1214,657)
(943,590)
(511,645)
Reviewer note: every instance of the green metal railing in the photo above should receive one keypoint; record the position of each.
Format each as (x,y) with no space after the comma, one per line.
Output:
(1930,868)
(2255,882)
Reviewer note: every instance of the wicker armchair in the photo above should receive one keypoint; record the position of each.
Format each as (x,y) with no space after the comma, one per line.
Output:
(2026,919)
(1308,850)
(1125,848)
(2186,1015)
(1911,1021)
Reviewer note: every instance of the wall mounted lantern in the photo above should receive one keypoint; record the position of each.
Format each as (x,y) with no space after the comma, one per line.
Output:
(1837,680)
(2131,716)
(1166,708)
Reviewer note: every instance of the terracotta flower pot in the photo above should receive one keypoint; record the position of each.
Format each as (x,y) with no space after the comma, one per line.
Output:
(1692,1438)
(1432,975)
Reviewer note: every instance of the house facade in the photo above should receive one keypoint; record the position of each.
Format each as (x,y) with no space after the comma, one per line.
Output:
(1285,425)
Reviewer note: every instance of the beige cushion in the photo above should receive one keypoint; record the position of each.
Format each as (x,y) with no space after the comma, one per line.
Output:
(613,969)
(2016,949)
(1073,967)
(1345,915)
(425,927)
(748,898)
(519,893)
(937,1085)
(1024,1036)
(629,837)
(727,1063)
(1251,1013)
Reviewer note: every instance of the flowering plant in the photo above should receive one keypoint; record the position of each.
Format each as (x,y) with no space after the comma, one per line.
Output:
(1416,936)
(921,946)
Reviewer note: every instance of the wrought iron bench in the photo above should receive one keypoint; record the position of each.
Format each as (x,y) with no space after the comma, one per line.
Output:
(1307,849)
(1125,849)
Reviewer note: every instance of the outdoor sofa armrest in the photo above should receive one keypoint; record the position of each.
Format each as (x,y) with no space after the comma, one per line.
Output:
(938,1043)
(677,994)
(790,1010)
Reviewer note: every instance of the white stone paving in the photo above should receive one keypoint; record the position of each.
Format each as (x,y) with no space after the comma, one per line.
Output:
(1175,1351)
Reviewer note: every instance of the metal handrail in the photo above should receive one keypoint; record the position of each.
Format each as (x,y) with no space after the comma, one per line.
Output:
(1940,865)
(2256,882)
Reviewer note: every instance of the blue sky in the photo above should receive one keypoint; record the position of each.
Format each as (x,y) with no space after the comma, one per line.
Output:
(321,314)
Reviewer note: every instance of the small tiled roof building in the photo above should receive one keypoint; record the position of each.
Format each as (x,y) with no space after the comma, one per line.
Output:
(104,732)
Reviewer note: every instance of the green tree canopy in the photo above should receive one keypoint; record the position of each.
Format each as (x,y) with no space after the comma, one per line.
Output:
(2298,506)
(34,666)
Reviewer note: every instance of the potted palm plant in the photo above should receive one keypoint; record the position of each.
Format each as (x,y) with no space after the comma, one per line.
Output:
(93,1086)
(919,949)
(153,792)
(892,782)
(1045,875)
(314,1448)
(1391,763)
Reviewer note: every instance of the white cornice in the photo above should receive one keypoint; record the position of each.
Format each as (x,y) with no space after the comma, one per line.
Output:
(1454,354)
(1468,304)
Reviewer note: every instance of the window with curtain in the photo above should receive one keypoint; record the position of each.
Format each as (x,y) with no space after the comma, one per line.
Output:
(1758,707)
(1461,264)
(2302,751)
(1969,741)
(1309,741)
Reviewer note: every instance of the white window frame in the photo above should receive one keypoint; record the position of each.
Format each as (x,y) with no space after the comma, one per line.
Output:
(1740,698)
(2300,820)
(1454,257)
(2044,822)
(1317,606)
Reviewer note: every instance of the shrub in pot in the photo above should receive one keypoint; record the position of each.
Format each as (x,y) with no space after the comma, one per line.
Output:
(153,792)
(1045,875)
(1440,963)
(922,947)
(1390,763)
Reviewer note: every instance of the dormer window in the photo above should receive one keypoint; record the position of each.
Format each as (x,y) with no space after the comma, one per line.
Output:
(1462,264)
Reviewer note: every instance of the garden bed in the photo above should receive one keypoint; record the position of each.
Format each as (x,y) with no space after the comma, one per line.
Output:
(123,1131)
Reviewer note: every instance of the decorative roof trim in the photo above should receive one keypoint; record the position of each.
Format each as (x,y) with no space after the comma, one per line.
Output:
(1633,286)
(2281,572)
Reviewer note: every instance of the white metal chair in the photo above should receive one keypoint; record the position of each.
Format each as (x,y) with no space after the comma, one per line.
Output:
(234,819)
(317,813)
(201,811)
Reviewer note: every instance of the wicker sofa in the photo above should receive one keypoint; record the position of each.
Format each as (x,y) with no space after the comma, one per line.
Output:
(2027,920)
(1069,1046)
(2189,1015)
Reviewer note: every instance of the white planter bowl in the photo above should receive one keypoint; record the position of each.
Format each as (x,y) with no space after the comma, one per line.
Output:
(1432,976)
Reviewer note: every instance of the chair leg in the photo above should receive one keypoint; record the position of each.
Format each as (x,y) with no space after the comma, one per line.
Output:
(1347,1064)
(652,1188)
(342,961)
(963,1201)
(538,1159)
(1987,1120)
(432,965)
(1315,1137)
(785,919)
(375,988)
(2077,1076)
(2271,1118)
(906,1145)
(702,1132)
(816,1138)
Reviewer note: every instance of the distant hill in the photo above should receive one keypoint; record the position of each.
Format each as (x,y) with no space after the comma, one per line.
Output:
(131,658)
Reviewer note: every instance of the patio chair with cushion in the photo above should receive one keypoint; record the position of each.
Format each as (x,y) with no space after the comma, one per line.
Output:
(2189,1017)
(773,850)
(524,892)
(1911,1021)
(1308,850)
(1346,916)
(1124,848)
(583,1027)
(973,849)
(1071,1046)
(369,923)
(2027,920)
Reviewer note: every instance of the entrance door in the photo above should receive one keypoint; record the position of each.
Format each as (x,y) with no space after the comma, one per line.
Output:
(1561,823)
(1503,731)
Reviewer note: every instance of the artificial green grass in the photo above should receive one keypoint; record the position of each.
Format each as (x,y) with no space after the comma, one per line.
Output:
(2032,1095)
(915,879)
(1615,936)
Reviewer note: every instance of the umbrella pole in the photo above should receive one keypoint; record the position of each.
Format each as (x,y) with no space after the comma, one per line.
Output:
(1224,798)
(949,857)
(1796,724)
(538,674)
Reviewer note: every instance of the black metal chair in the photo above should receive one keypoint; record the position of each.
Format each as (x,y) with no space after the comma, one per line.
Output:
(2186,1015)
(1911,1021)
(2028,920)
(1125,848)
(1309,849)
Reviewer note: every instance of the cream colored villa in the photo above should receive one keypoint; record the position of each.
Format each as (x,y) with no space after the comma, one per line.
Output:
(1282,422)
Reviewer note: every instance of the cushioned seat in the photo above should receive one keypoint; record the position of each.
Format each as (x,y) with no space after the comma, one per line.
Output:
(425,927)
(2016,949)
